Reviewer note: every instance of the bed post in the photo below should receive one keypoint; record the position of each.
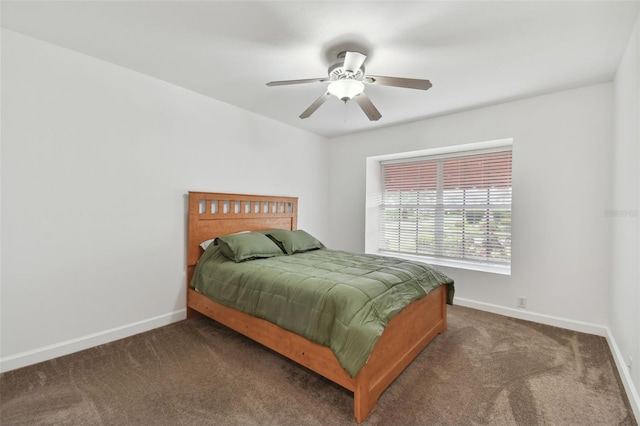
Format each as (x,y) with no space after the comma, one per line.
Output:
(190,312)
(363,401)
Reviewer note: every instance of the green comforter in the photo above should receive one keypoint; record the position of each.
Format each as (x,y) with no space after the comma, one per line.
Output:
(337,299)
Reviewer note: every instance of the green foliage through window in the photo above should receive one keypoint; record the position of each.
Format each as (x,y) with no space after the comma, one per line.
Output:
(454,207)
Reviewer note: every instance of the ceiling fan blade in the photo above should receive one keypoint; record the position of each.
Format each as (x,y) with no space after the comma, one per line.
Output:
(353,61)
(315,105)
(367,107)
(409,83)
(304,80)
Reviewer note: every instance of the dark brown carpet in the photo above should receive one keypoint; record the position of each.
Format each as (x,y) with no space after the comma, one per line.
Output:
(486,369)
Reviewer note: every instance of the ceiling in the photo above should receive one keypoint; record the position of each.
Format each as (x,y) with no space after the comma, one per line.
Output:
(475,53)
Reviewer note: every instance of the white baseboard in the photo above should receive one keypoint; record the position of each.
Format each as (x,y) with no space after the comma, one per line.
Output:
(632,392)
(67,347)
(583,327)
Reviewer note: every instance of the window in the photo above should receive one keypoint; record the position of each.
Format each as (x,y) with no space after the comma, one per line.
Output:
(453,207)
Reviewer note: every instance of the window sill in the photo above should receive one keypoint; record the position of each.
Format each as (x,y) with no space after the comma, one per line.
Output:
(473,266)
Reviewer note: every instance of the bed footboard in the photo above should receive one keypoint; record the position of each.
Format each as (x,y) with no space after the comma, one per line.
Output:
(406,335)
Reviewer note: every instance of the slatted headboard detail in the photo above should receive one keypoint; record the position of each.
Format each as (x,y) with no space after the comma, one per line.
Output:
(213,214)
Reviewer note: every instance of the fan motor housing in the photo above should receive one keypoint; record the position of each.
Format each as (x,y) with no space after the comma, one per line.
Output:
(337,71)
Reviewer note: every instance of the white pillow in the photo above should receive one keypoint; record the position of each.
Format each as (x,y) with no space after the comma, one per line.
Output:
(206,244)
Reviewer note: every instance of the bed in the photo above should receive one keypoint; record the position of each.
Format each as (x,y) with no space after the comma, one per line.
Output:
(213,215)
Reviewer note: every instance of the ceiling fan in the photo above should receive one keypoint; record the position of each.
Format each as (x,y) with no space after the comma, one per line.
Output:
(347,81)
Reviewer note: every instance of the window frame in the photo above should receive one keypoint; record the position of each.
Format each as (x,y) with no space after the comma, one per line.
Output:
(374,201)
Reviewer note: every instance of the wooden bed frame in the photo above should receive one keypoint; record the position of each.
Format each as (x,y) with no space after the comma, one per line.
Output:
(407,334)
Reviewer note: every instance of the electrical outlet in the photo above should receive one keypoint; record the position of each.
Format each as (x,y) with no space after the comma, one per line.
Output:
(522,302)
(629,362)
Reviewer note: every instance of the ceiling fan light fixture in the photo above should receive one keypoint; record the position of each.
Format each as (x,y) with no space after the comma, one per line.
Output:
(346,82)
(345,89)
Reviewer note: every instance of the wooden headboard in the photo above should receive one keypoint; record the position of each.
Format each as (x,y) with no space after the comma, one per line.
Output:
(212,214)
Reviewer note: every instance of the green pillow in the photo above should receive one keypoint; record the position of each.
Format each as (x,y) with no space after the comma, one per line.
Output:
(247,246)
(294,241)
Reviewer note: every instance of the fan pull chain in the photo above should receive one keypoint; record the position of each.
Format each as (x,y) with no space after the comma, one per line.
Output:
(346,109)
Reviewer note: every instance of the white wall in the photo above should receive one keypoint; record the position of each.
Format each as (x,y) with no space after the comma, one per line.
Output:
(561,188)
(624,312)
(96,164)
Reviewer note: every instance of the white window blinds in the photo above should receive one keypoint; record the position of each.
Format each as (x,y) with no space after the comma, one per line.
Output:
(454,207)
